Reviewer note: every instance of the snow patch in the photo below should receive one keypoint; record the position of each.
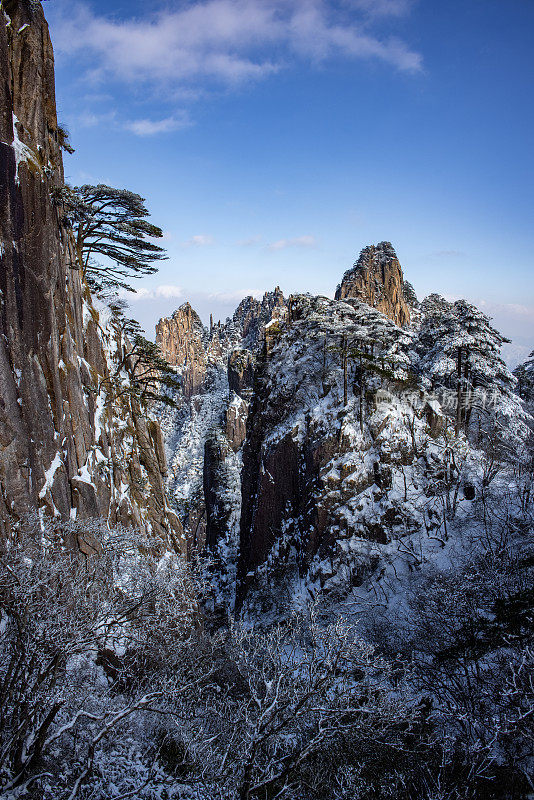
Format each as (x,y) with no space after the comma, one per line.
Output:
(49,475)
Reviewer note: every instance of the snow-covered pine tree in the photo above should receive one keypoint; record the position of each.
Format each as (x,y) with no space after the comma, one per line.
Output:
(408,292)
(459,350)
(376,347)
(524,374)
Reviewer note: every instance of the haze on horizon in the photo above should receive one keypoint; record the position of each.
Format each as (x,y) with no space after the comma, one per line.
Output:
(275,139)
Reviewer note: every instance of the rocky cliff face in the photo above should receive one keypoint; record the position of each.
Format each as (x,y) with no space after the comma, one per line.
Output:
(65,446)
(253,315)
(205,434)
(188,345)
(182,339)
(312,459)
(377,279)
(320,483)
(291,488)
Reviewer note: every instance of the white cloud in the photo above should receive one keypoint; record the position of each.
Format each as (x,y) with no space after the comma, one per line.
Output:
(229,41)
(298,241)
(151,127)
(514,309)
(383,8)
(164,291)
(200,240)
(252,240)
(140,127)
(88,119)
(167,291)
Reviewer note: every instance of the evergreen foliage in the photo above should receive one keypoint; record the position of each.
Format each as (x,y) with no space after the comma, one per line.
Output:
(141,372)
(377,347)
(408,293)
(525,378)
(111,223)
(459,349)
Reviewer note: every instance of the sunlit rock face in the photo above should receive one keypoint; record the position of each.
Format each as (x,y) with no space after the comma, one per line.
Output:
(182,340)
(66,448)
(377,279)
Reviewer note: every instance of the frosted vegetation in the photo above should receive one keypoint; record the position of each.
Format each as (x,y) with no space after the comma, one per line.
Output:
(391,656)
(395,662)
(333,598)
(112,686)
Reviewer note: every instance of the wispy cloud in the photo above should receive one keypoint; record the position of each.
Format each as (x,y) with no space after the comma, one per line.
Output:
(200,240)
(140,127)
(513,309)
(162,292)
(298,241)
(152,127)
(229,41)
(383,8)
(88,119)
(252,240)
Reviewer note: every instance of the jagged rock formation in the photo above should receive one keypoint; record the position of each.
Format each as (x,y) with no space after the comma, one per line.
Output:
(65,447)
(241,372)
(377,279)
(315,456)
(182,340)
(253,315)
(236,421)
(188,345)
(205,435)
(282,482)
(232,495)
(308,470)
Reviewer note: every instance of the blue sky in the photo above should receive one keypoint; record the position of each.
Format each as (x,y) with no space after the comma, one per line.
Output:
(275,139)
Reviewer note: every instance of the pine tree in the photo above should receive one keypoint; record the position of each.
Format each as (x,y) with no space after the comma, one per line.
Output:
(376,347)
(525,379)
(111,223)
(459,350)
(408,293)
(148,373)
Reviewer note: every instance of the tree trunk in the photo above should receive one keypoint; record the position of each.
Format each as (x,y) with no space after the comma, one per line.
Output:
(345,377)
(361,395)
(468,395)
(459,394)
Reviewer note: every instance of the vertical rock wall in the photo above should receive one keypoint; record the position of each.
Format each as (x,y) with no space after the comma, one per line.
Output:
(63,448)
(182,340)
(377,279)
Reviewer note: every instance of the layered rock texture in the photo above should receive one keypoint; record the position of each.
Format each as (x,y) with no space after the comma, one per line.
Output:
(189,346)
(66,447)
(182,339)
(205,434)
(377,279)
